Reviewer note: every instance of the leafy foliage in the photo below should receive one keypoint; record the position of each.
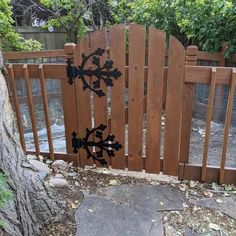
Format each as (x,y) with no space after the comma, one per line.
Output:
(67,15)
(5,194)
(9,39)
(205,23)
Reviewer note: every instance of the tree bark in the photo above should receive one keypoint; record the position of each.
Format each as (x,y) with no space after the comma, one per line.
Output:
(33,204)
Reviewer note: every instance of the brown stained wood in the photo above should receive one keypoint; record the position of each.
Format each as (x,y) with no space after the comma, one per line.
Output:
(46,112)
(208,123)
(137,36)
(83,101)
(51,71)
(219,96)
(189,90)
(227,124)
(193,172)
(174,102)
(68,93)
(117,55)
(31,108)
(156,60)
(193,74)
(61,53)
(98,40)
(202,74)
(12,78)
(188,95)
(69,49)
(36,54)
(206,56)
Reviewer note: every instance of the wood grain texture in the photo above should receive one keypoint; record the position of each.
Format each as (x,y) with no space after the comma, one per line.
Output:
(31,108)
(83,100)
(188,95)
(174,103)
(68,93)
(156,60)
(193,172)
(12,78)
(98,40)
(227,124)
(31,55)
(117,55)
(46,111)
(208,123)
(202,74)
(137,36)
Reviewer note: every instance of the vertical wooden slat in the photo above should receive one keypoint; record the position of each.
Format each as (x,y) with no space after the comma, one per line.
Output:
(137,37)
(45,109)
(16,104)
(117,55)
(68,93)
(174,105)
(70,113)
(188,93)
(227,124)
(156,60)
(208,122)
(219,97)
(98,40)
(83,100)
(31,108)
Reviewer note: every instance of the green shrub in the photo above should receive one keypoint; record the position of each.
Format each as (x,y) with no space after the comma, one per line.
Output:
(9,38)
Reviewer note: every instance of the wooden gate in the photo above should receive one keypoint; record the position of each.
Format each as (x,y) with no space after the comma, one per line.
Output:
(118,77)
(127,95)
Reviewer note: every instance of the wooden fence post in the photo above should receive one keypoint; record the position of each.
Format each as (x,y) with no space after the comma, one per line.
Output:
(188,93)
(69,101)
(220,90)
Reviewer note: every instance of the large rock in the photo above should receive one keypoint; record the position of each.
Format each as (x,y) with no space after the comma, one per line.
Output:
(60,166)
(226,205)
(159,198)
(127,210)
(58,183)
(98,217)
(34,204)
(41,168)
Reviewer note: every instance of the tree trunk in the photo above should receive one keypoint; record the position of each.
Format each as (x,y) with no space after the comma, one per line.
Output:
(33,204)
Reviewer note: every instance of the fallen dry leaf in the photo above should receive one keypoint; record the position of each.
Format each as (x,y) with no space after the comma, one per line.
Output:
(214,226)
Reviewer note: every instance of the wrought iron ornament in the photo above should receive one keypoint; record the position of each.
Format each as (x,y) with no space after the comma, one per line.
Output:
(107,145)
(104,73)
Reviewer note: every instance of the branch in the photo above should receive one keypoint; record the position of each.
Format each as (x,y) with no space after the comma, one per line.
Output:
(81,14)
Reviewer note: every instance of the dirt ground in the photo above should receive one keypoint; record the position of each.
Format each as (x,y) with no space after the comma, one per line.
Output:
(196,142)
(215,146)
(192,218)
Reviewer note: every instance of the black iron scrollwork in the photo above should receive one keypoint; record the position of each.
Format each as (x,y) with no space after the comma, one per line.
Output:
(104,73)
(107,145)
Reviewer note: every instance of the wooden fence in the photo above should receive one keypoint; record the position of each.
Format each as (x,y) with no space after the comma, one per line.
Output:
(49,40)
(153,88)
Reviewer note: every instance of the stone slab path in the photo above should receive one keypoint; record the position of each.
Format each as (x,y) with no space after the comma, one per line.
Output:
(226,205)
(125,210)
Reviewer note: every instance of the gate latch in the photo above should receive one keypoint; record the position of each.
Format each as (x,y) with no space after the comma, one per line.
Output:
(94,138)
(105,73)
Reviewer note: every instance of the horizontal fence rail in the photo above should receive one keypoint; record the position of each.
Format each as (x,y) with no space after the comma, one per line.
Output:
(165,94)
